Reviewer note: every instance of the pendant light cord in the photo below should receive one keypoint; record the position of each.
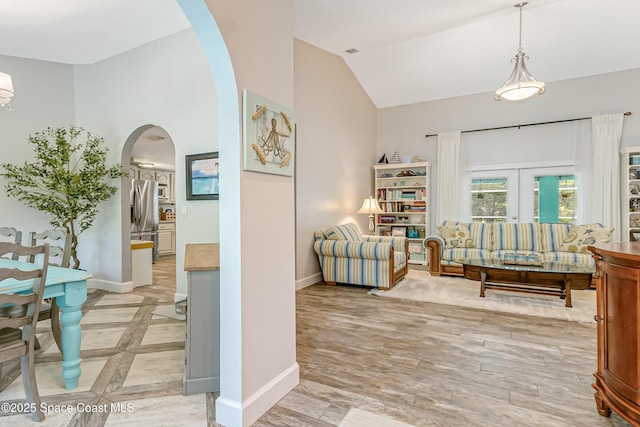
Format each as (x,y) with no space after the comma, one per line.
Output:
(521,5)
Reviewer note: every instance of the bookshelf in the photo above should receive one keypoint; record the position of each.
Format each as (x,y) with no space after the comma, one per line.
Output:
(402,190)
(630,193)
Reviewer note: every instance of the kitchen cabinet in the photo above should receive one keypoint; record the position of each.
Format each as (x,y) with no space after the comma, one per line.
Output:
(133,172)
(617,379)
(167,238)
(164,179)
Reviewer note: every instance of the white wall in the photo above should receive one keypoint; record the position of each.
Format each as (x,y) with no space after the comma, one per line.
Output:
(43,98)
(166,83)
(406,126)
(336,131)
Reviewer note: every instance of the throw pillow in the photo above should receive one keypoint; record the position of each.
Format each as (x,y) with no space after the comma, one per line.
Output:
(581,236)
(455,236)
(347,231)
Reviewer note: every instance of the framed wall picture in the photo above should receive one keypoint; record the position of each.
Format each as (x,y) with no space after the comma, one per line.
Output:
(269,136)
(203,176)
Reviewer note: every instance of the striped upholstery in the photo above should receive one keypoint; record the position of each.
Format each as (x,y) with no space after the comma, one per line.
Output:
(398,243)
(521,236)
(493,240)
(551,236)
(450,255)
(348,231)
(359,260)
(568,258)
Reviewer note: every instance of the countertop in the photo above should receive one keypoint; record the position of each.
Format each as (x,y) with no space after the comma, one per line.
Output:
(202,257)
(141,244)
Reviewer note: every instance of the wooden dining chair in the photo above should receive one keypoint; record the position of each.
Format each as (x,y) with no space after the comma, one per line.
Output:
(12,235)
(19,325)
(59,255)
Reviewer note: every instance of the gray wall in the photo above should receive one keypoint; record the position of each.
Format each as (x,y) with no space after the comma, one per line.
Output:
(336,134)
(405,126)
(43,98)
(166,83)
(112,98)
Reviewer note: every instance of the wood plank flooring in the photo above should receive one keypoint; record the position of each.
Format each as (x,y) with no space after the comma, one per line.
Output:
(434,365)
(365,361)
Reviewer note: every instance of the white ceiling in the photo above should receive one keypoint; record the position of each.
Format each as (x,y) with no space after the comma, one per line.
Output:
(409,50)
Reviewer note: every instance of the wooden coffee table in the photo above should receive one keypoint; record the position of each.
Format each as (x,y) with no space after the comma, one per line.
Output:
(549,278)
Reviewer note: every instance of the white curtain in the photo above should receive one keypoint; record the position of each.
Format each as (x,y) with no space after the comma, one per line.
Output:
(449,188)
(603,192)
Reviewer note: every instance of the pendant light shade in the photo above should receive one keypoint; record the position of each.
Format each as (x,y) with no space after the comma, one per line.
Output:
(521,84)
(6,89)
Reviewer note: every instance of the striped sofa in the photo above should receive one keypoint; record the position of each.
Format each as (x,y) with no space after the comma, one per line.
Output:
(346,256)
(551,242)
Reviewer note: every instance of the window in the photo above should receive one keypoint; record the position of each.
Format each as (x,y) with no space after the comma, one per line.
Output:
(489,200)
(546,195)
(554,199)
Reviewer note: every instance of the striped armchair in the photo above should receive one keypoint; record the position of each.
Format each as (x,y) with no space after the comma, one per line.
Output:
(346,256)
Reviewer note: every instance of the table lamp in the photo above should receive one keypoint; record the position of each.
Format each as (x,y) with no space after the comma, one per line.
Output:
(370,207)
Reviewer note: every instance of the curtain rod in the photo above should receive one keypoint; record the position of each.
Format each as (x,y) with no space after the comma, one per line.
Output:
(628,113)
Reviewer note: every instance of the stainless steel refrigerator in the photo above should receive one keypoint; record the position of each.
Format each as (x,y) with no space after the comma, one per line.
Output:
(144,212)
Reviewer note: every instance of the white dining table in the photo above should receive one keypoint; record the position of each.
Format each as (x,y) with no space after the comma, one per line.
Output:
(69,287)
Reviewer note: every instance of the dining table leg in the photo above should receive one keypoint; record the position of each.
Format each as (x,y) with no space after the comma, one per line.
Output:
(70,305)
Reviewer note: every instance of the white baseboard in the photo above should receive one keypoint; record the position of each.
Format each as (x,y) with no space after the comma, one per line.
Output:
(308,281)
(233,413)
(106,285)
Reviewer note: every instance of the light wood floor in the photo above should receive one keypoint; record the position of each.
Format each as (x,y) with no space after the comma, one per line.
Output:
(418,363)
(434,365)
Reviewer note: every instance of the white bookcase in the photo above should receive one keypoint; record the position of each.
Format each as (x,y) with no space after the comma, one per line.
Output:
(630,193)
(403,192)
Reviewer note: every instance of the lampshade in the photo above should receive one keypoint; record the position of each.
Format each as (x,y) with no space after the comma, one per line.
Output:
(520,84)
(370,206)
(6,89)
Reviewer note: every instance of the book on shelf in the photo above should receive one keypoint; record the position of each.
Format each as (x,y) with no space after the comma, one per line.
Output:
(415,248)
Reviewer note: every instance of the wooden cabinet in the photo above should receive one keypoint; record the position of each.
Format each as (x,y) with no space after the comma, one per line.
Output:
(617,380)
(403,191)
(166,238)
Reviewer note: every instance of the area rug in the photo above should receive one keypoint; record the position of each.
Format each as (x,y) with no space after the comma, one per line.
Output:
(419,285)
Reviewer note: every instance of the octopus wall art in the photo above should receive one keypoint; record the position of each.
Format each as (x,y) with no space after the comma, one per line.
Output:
(269,136)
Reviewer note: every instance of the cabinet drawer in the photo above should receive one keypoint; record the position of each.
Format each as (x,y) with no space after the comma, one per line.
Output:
(166,226)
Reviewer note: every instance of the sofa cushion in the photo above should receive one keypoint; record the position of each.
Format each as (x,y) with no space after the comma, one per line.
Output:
(348,231)
(570,258)
(580,236)
(481,233)
(552,236)
(451,256)
(455,236)
(516,236)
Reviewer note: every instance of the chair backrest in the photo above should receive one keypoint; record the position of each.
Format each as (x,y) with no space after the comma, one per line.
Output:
(12,235)
(14,314)
(59,245)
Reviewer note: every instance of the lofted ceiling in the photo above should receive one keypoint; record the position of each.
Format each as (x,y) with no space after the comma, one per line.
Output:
(409,50)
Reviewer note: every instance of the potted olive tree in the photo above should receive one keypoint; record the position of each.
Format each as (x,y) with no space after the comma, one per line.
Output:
(68,179)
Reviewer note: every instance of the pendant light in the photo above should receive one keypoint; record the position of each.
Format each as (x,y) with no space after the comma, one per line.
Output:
(521,84)
(6,90)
